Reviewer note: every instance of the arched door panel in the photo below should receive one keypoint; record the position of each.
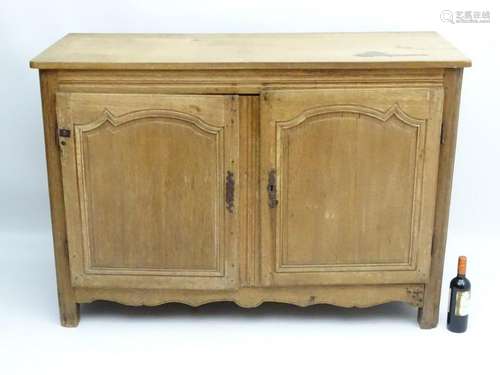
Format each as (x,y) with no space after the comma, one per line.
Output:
(144,181)
(355,178)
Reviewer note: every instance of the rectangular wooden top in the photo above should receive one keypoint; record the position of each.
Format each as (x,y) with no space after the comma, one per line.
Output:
(252,51)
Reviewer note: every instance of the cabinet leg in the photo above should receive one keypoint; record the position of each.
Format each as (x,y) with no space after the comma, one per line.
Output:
(68,308)
(69,313)
(428,315)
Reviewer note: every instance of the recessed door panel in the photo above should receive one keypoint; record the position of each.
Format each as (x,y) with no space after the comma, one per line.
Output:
(355,175)
(144,182)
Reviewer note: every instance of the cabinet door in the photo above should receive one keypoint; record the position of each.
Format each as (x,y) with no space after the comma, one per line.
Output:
(145,181)
(348,184)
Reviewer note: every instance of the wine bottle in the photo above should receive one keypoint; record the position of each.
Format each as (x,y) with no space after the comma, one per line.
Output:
(458,307)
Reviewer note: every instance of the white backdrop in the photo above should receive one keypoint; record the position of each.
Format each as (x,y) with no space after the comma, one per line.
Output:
(180,338)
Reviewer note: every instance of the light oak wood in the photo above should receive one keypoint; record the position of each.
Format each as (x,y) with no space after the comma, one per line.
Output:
(254,51)
(243,81)
(362,145)
(428,315)
(345,296)
(69,309)
(144,184)
(249,110)
(356,178)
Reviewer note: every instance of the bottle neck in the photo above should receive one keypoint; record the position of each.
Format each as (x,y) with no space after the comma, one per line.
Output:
(462,266)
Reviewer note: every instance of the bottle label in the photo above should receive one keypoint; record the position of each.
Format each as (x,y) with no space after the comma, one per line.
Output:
(462,304)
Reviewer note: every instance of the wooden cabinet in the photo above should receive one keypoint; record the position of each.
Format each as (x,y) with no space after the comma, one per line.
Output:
(183,168)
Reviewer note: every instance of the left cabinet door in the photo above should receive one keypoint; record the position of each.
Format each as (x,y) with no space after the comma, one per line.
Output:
(149,189)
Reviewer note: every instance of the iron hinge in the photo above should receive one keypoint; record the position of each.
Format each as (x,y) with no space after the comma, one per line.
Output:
(66,247)
(66,133)
(442,133)
(62,133)
(433,244)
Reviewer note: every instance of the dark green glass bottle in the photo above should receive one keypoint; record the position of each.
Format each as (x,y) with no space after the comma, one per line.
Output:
(458,307)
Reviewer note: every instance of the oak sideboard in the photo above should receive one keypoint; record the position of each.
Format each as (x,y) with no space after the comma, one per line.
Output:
(294,168)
